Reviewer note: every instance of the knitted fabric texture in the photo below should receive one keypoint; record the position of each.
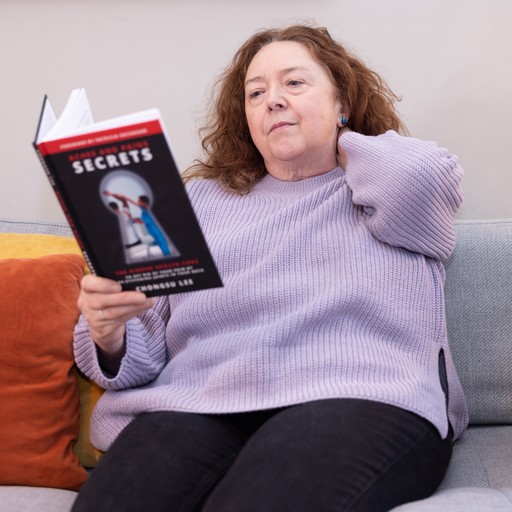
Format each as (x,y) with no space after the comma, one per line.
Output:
(333,287)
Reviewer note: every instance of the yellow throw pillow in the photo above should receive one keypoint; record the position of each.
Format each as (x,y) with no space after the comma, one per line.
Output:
(23,245)
(28,245)
(90,393)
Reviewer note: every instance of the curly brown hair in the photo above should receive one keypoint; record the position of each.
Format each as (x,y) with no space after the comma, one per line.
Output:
(231,156)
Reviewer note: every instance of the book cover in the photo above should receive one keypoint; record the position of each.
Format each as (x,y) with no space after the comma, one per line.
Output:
(122,194)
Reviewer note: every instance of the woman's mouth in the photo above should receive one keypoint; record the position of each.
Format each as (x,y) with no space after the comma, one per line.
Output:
(281,125)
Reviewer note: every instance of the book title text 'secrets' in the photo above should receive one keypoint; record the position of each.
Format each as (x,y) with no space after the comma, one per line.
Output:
(110,157)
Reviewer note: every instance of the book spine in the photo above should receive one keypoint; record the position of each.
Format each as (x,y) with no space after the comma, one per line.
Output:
(65,205)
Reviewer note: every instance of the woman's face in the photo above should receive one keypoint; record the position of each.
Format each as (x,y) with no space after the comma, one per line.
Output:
(292,111)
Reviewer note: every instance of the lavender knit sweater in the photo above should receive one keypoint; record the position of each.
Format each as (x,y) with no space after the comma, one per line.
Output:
(333,288)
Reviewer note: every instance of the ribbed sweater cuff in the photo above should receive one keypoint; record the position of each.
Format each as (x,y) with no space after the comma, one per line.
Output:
(410,189)
(137,366)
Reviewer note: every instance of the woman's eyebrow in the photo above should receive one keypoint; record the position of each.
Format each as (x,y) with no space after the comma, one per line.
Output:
(259,78)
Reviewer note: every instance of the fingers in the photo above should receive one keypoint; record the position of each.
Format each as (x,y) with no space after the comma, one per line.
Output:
(107,308)
(98,293)
(342,155)
(92,283)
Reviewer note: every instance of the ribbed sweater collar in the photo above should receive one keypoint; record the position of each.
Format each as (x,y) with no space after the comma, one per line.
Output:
(270,185)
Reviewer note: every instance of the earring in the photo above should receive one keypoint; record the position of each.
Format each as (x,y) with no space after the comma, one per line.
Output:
(342,121)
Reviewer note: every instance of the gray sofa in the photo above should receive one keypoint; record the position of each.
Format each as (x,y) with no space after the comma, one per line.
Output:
(479,312)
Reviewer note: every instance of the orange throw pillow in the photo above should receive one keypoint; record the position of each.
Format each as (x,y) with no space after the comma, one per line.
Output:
(39,394)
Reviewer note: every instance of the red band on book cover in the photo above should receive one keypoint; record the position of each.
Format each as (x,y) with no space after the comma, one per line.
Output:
(88,140)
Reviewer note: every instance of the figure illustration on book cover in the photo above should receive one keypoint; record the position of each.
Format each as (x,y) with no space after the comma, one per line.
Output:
(130,198)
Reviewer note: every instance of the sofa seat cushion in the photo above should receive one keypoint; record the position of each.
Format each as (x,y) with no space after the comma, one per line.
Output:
(463,499)
(24,499)
(481,458)
(479,477)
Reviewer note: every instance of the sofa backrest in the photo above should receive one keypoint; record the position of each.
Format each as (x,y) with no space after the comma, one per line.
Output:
(478,309)
(479,317)
(34,226)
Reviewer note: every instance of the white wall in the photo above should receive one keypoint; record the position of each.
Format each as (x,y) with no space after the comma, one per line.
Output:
(450,60)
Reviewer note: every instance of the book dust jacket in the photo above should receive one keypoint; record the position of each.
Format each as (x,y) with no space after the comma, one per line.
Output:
(125,201)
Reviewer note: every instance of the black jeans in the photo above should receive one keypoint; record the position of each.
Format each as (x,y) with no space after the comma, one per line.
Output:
(330,455)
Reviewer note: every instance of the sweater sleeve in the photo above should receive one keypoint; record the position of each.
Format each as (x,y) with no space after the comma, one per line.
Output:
(409,189)
(145,350)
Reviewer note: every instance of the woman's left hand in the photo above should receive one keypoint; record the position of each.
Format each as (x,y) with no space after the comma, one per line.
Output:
(342,156)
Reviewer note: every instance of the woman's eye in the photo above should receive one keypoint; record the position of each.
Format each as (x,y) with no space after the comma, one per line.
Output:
(294,83)
(254,94)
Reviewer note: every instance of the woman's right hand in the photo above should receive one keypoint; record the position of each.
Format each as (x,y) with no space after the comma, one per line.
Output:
(107,308)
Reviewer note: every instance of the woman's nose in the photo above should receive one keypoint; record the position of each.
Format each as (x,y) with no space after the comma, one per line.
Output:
(276,100)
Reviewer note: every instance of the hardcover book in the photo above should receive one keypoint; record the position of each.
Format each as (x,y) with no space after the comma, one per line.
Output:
(122,194)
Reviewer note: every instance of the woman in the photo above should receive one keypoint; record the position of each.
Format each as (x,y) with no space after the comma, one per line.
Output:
(319,377)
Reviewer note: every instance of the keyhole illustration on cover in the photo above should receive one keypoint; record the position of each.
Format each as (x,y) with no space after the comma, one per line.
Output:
(130,199)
